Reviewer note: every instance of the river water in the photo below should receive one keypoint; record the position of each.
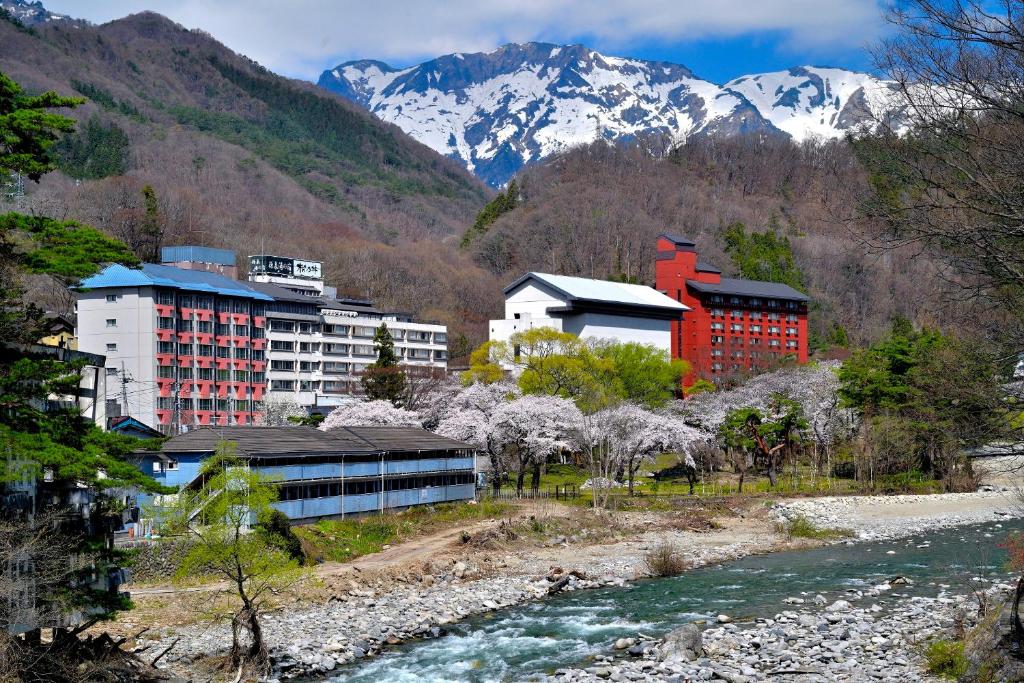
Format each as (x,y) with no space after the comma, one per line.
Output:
(522,643)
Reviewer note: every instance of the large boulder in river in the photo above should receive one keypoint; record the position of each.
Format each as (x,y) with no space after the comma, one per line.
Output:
(684,643)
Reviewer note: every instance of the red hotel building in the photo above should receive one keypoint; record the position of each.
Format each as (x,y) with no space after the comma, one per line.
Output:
(735,325)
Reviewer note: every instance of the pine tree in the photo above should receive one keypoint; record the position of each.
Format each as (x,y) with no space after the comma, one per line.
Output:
(385,379)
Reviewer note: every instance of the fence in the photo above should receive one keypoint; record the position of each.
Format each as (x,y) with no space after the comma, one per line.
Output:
(559,492)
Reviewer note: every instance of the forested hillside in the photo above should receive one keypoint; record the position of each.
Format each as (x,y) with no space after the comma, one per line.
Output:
(241,158)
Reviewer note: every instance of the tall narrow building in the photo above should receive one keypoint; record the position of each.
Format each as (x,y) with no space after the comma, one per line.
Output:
(735,325)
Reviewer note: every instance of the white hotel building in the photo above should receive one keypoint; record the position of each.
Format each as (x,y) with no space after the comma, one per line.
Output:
(594,309)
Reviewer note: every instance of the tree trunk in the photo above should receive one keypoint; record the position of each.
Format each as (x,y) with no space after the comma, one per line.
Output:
(771,474)
(535,479)
(743,473)
(258,656)
(520,478)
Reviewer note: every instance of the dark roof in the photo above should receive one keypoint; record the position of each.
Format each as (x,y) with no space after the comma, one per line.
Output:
(294,441)
(705,267)
(678,240)
(282,294)
(735,286)
(122,423)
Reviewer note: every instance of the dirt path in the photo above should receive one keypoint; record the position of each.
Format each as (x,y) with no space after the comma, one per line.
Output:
(403,553)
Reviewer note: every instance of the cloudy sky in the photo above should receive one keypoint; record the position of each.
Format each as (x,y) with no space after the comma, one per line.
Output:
(718,39)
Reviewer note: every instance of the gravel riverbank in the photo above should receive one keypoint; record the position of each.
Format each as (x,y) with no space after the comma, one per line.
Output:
(359,622)
(837,642)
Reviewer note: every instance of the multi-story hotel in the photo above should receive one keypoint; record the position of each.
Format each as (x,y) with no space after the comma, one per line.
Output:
(183,347)
(735,325)
(188,346)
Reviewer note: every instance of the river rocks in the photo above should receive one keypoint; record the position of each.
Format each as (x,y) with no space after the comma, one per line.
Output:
(683,643)
(723,619)
(860,645)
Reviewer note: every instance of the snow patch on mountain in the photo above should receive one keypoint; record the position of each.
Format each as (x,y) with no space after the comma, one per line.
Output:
(500,110)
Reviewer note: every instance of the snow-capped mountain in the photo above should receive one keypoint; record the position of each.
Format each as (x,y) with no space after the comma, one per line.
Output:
(32,12)
(500,110)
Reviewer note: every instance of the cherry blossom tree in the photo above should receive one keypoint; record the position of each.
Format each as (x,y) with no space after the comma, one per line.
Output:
(370,414)
(465,415)
(640,435)
(280,411)
(531,428)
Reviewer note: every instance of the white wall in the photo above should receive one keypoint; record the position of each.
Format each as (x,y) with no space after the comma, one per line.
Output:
(620,328)
(135,338)
(532,299)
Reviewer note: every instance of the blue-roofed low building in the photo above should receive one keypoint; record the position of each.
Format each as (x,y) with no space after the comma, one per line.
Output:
(596,309)
(327,474)
(183,347)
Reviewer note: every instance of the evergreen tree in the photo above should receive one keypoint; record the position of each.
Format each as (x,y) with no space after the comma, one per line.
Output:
(152,226)
(385,380)
(763,256)
(492,211)
(28,129)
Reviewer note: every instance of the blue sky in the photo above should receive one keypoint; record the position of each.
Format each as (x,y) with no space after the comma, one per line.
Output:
(717,39)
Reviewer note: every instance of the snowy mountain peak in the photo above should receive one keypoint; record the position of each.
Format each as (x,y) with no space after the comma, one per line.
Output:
(32,13)
(499,110)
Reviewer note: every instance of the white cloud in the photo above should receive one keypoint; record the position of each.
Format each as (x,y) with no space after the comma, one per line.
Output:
(302,37)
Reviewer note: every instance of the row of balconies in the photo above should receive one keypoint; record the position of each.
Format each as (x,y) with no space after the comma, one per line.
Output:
(208,417)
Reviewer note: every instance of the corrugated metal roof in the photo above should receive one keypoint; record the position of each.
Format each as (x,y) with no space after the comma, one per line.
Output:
(737,287)
(155,275)
(221,257)
(297,441)
(605,291)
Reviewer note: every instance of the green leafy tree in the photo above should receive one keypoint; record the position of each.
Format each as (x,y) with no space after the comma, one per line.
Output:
(645,374)
(736,435)
(763,256)
(56,448)
(219,518)
(384,380)
(98,151)
(561,364)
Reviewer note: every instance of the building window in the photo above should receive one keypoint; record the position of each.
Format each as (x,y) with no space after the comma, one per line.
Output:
(111,322)
(755,302)
(111,347)
(772,303)
(308,347)
(774,329)
(716,367)
(282,385)
(440,338)
(163,323)
(172,465)
(736,314)
(717,313)
(282,365)
(282,326)
(755,329)
(111,298)
(308,366)
(735,327)
(279,345)
(717,326)
(773,343)
(791,331)
(792,343)
(755,341)
(715,339)
(165,298)
(791,317)
(364,332)
(717,353)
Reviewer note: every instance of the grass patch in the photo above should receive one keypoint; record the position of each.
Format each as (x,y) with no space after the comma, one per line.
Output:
(946,658)
(801,527)
(342,540)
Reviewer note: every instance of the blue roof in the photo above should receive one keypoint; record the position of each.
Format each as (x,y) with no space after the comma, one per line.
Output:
(154,275)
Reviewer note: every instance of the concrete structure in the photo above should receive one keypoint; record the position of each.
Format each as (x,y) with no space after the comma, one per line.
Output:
(736,325)
(340,472)
(184,348)
(90,395)
(596,309)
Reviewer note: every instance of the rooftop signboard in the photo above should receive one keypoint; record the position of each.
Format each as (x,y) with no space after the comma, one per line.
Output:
(282,266)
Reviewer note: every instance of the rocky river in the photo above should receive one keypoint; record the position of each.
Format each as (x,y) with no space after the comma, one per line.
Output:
(827,614)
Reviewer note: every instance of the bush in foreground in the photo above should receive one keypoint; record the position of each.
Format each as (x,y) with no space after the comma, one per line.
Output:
(665,559)
(946,658)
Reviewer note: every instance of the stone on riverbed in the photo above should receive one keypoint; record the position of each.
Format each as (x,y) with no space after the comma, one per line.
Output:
(684,643)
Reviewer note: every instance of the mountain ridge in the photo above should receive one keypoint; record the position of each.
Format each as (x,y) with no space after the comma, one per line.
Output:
(522,102)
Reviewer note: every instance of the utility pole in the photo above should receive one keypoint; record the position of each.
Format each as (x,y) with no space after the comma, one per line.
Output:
(124,391)
(176,419)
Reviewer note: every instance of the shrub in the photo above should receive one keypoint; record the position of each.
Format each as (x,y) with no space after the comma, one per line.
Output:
(277,529)
(946,658)
(801,527)
(665,559)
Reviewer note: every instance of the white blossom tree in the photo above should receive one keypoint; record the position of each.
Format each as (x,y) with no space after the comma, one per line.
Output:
(370,414)
(279,410)
(529,429)
(465,415)
(640,436)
